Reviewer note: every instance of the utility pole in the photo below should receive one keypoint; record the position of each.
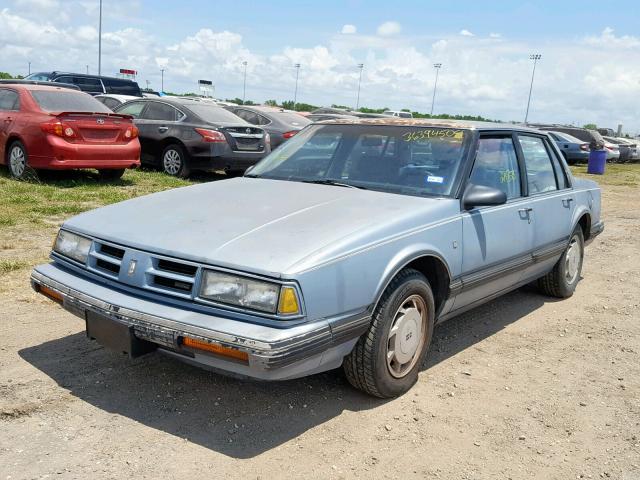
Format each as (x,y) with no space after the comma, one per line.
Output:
(535,57)
(162,80)
(437,66)
(360,66)
(244,84)
(295,93)
(147,84)
(100,41)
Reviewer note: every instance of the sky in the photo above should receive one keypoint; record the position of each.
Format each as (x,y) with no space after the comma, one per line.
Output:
(589,71)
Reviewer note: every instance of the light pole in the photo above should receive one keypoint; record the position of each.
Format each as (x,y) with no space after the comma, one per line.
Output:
(244,84)
(29,69)
(162,79)
(87,69)
(100,41)
(535,57)
(437,66)
(295,92)
(360,66)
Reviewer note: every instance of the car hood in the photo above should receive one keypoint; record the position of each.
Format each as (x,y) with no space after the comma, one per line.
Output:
(264,226)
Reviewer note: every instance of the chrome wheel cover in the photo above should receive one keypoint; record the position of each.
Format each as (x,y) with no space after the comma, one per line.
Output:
(406,336)
(572,260)
(17,161)
(171,162)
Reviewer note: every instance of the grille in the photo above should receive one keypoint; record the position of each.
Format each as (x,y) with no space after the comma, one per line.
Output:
(173,277)
(106,259)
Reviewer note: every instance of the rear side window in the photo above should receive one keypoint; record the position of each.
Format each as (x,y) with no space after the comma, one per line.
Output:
(67,101)
(121,87)
(496,166)
(87,84)
(133,108)
(160,111)
(112,103)
(541,176)
(214,114)
(249,116)
(9,100)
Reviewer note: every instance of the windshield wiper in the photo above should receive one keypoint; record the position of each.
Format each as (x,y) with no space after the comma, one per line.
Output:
(335,183)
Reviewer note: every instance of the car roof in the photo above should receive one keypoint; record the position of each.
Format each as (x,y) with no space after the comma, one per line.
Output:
(432,122)
(35,86)
(85,75)
(124,98)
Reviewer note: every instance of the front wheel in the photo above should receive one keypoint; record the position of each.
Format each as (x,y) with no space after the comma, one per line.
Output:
(561,282)
(386,360)
(110,174)
(174,161)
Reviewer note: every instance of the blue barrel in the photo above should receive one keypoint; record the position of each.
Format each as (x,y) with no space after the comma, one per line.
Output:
(597,162)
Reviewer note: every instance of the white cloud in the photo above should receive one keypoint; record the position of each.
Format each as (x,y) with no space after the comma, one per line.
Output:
(466,33)
(495,35)
(349,29)
(608,39)
(389,28)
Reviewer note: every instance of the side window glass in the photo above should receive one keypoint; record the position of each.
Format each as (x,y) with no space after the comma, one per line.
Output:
(262,120)
(541,177)
(134,109)
(561,174)
(160,111)
(248,116)
(496,166)
(9,100)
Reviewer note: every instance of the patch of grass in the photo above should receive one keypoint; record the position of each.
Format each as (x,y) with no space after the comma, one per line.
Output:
(620,174)
(54,196)
(11,265)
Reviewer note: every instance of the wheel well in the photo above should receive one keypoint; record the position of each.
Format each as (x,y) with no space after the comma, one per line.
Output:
(437,273)
(12,138)
(585,225)
(171,140)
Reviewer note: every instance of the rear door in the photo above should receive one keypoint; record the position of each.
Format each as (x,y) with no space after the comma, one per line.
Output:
(552,200)
(497,241)
(9,111)
(135,109)
(157,122)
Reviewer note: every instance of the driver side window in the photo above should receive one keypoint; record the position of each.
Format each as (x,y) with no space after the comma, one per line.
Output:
(496,166)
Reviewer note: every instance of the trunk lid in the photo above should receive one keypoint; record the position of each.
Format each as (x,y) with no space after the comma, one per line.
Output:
(98,128)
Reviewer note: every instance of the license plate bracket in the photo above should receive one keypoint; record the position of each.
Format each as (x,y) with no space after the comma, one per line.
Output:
(116,335)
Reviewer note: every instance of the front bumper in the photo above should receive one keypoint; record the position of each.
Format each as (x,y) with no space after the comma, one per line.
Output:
(273,353)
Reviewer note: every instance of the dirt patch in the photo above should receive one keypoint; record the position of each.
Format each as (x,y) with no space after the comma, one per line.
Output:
(523,387)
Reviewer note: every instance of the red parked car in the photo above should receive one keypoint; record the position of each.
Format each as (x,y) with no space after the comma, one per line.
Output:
(56,128)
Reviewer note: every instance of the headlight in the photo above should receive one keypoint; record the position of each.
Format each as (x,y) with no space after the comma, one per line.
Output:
(72,246)
(249,293)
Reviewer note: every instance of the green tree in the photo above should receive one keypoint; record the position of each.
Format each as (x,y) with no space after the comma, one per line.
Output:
(271,103)
(590,126)
(8,76)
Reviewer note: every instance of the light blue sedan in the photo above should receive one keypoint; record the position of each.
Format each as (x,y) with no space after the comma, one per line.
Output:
(343,247)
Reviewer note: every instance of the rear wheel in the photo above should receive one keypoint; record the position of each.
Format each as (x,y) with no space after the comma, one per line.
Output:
(387,358)
(110,174)
(561,282)
(174,161)
(17,160)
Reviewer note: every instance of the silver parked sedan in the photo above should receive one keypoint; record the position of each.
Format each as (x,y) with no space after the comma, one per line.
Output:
(344,247)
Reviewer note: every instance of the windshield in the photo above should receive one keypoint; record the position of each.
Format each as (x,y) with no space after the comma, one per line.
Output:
(39,77)
(215,114)
(67,101)
(397,159)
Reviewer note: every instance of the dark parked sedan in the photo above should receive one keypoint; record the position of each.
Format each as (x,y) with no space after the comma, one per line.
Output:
(573,149)
(280,124)
(181,135)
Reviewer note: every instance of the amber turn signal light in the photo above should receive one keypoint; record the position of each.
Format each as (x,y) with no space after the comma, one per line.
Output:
(215,348)
(50,293)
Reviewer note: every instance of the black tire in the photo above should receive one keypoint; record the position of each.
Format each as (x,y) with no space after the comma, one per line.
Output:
(110,174)
(366,367)
(17,160)
(174,161)
(561,282)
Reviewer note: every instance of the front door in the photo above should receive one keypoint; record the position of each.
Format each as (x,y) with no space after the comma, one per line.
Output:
(497,241)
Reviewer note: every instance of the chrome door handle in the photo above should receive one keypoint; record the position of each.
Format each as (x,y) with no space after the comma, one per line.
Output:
(566,202)
(525,213)
(163,129)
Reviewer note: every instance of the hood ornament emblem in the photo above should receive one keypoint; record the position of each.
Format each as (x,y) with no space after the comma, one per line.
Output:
(132,267)
(100,121)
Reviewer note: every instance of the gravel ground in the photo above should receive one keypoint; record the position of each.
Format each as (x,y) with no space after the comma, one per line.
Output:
(523,387)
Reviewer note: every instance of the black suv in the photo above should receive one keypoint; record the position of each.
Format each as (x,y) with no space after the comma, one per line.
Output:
(91,84)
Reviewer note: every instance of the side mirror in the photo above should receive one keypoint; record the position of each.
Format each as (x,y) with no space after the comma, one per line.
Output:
(482,196)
